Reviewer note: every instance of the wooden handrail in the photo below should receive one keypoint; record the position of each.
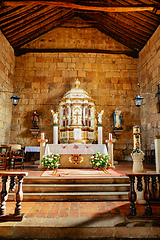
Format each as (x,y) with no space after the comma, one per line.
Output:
(4,191)
(154,177)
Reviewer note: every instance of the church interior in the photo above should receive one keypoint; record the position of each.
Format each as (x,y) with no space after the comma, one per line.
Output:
(79,78)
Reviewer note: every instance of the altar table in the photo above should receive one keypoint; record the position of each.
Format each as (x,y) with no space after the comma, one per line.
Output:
(31,150)
(83,150)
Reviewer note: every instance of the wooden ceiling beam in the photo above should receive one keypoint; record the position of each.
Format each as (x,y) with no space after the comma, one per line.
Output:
(21,51)
(67,4)
(131,23)
(123,28)
(146,16)
(41,20)
(24,19)
(41,29)
(116,35)
(19,14)
(117,28)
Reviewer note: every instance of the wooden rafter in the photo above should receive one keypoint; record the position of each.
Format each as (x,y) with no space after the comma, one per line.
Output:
(115,32)
(22,51)
(67,4)
(129,22)
(27,21)
(42,28)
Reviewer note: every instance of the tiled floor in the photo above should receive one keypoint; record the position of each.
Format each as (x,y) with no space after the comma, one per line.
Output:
(78,209)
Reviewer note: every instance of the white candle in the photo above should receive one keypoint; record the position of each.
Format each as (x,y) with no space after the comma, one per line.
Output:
(110,137)
(42,136)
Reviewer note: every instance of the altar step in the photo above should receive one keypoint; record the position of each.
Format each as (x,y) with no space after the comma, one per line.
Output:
(74,189)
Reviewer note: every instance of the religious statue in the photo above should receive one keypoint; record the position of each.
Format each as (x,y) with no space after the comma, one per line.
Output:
(117,116)
(55,117)
(100,117)
(35,119)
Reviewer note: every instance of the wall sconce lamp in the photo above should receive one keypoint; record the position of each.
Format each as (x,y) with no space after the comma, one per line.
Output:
(138,100)
(14,98)
(158,95)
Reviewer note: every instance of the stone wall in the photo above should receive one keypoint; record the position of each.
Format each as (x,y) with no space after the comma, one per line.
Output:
(7,65)
(149,68)
(41,79)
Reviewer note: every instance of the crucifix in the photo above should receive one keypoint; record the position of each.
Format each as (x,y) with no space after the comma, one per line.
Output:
(76,116)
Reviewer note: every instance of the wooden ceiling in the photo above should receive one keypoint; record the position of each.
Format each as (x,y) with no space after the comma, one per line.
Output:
(130,22)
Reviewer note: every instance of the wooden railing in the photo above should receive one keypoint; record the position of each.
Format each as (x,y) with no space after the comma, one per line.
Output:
(5,189)
(148,177)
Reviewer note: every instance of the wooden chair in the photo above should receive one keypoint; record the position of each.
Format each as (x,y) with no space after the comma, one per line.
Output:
(17,158)
(5,154)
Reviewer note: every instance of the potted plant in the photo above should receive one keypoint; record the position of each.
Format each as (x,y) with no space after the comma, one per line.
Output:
(100,161)
(51,161)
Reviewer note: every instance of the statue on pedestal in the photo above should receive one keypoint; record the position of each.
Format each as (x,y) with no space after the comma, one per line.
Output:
(55,117)
(100,117)
(35,129)
(35,119)
(117,116)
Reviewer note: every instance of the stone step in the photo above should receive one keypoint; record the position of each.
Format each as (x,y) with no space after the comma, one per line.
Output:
(62,180)
(71,196)
(74,189)
(48,188)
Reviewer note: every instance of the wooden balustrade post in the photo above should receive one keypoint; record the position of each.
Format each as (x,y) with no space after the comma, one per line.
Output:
(132,196)
(147,196)
(139,183)
(12,183)
(4,195)
(159,186)
(19,196)
(154,186)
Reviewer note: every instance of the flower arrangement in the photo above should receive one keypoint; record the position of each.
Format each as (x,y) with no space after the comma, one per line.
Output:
(100,161)
(137,150)
(51,161)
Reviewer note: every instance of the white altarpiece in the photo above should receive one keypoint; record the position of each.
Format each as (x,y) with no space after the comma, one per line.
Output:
(77,117)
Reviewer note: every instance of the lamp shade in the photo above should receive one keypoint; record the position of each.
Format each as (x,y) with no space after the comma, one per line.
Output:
(15,99)
(138,100)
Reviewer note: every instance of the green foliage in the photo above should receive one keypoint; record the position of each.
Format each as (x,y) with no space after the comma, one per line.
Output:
(100,161)
(51,161)
(137,150)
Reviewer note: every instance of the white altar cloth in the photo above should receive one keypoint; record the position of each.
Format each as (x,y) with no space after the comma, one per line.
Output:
(32,149)
(75,148)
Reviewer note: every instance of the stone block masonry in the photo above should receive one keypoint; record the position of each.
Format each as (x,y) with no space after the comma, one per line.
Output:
(7,65)
(149,66)
(45,84)
(41,79)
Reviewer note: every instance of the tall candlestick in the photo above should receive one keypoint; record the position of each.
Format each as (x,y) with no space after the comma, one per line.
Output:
(110,137)
(42,136)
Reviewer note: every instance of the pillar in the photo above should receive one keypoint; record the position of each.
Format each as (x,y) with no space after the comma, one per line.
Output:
(55,133)
(42,149)
(100,134)
(157,153)
(110,149)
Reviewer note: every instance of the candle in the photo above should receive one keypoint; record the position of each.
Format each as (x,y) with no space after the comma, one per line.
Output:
(110,137)
(42,136)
